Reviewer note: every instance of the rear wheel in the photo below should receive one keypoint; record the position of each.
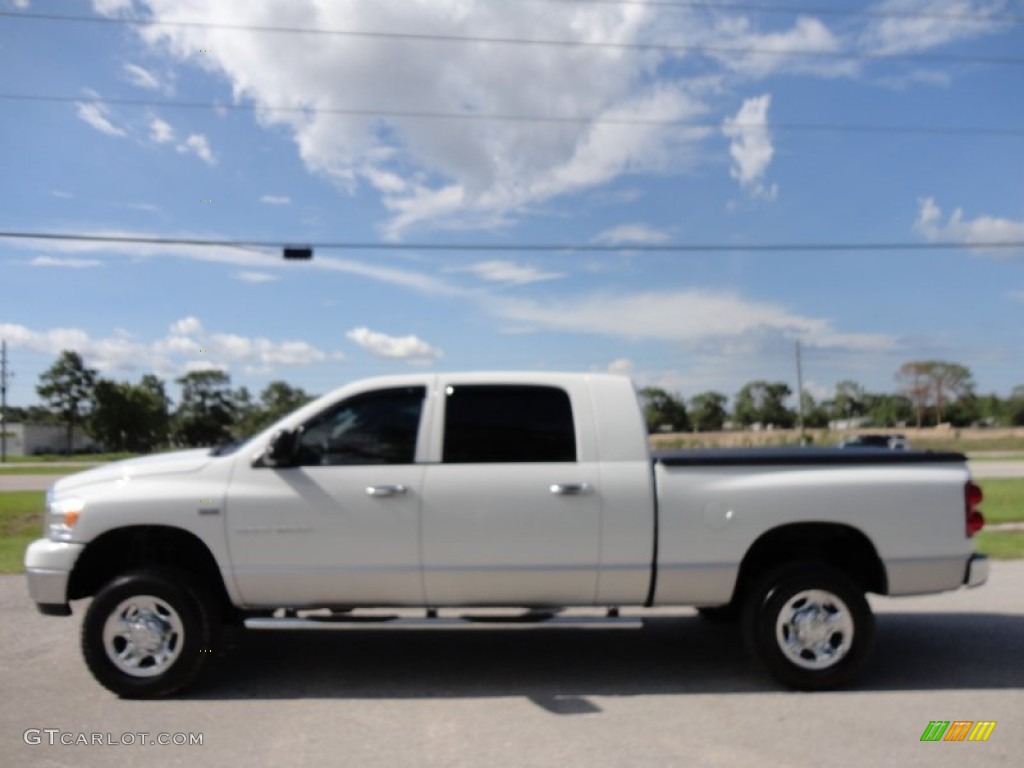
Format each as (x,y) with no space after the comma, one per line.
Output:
(810,626)
(148,633)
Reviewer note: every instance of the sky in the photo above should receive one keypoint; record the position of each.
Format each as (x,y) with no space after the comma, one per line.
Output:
(673,123)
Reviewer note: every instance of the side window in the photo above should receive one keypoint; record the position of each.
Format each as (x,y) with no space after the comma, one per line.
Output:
(507,424)
(373,428)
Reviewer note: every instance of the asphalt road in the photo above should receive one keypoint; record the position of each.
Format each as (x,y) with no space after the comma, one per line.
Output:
(677,693)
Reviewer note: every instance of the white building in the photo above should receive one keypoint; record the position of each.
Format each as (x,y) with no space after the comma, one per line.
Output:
(33,439)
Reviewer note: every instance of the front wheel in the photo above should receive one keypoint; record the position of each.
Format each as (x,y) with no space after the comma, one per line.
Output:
(147,634)
(810,625)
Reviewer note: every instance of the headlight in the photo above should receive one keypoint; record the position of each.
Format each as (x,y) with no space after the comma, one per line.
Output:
(61,517)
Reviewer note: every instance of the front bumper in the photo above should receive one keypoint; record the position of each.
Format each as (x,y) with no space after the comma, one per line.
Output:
(48,567)
(976,573)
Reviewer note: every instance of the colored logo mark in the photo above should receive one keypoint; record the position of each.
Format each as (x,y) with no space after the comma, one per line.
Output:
(958,730)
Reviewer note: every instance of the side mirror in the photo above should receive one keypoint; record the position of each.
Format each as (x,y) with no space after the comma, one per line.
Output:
(280,451)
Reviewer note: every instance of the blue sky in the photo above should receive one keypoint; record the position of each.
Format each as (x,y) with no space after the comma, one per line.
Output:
(693,166)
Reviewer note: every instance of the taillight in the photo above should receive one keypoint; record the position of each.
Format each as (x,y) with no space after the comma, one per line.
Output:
(972,516)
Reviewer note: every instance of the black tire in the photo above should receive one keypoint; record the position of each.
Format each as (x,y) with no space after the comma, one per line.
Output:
(720,614)
(809,625)
(166,633)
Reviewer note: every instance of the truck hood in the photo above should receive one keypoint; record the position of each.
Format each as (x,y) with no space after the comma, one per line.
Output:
(178,462)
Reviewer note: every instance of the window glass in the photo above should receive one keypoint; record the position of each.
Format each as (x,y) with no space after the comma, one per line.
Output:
(373,428)
(508,424)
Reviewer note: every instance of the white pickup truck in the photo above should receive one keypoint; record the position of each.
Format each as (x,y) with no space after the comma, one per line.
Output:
(531,490)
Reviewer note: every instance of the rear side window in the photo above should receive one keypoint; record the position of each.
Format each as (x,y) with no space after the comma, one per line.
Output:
(488,423)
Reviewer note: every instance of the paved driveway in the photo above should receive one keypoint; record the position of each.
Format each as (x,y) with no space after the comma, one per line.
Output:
(678,693)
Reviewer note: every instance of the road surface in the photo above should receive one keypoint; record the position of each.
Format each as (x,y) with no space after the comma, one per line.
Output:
(680,692)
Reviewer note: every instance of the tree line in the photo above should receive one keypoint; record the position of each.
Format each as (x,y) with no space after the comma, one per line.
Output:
(141,417)
(929,392)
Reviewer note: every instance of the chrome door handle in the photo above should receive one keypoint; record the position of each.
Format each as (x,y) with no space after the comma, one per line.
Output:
(386,490)
(570,489)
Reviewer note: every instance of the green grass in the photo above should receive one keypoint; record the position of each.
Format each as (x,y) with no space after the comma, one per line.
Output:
(1004,499)
(21,521)
(999,456)
(1002,545)
(16,470)
(952,443)
(83,458)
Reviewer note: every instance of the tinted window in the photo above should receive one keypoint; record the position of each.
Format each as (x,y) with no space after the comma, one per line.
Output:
(374,428)
(508,423)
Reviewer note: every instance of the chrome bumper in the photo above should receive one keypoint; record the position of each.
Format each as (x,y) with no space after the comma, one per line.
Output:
(977,570)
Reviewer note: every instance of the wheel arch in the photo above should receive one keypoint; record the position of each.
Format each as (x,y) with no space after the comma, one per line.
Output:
(147,546)
(841,546)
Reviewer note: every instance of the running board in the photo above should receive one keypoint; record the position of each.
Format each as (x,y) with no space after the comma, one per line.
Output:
(395,622)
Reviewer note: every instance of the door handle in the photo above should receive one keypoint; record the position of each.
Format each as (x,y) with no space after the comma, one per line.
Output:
(571,489)
(386,490)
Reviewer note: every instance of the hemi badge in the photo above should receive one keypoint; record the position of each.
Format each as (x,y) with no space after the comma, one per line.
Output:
(209,511)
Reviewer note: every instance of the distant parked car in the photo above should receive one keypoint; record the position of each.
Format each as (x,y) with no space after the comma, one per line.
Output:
(892,442)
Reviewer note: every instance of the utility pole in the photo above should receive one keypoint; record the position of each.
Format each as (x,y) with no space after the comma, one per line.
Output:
(800,394)
(3,400)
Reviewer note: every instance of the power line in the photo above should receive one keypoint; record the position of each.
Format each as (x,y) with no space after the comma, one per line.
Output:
(531,247)
(933,130)
(442,38)
(793,10)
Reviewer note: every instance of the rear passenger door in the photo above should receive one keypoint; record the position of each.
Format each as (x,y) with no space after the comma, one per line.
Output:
(510,514)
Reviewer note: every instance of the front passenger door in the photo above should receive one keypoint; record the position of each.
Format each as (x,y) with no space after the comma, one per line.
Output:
(340,526)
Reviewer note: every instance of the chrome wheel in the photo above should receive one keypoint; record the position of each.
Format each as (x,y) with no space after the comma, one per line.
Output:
(143,636)
(814,629)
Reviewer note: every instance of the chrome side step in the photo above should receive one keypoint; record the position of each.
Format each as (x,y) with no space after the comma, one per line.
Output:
(396,622)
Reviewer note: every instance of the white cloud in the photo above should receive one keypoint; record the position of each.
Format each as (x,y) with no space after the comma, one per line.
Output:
(751,147)
(22,4)
(197,144)
(508,272)
(983,229)
(916,77)
(61,195)
(160,131)
(141,77)
(689,316)
(461,174)
(621,365)
(96,116)
(924,24)
(109,7)
(255,277)
(275,200)
(761,50)
(633,234)
(458,173)
(186,347)
(1017,296)
(410,348)
(51,261)
(818,391)
(187,326)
